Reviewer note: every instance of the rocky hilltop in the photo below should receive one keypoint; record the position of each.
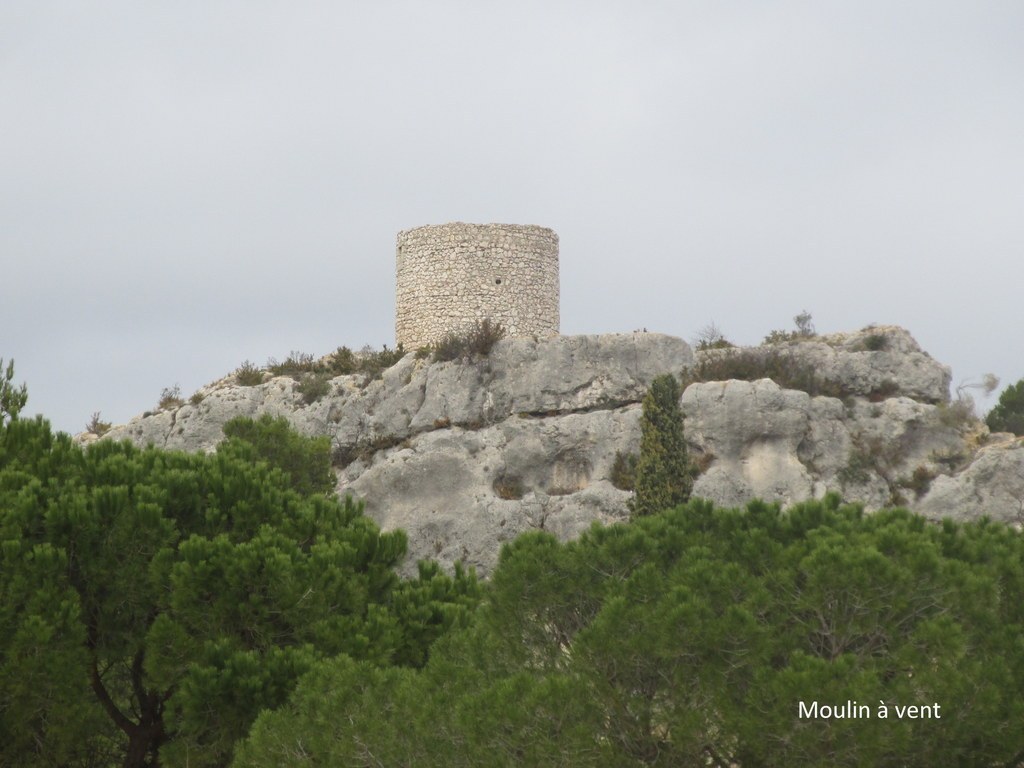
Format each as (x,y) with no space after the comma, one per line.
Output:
(467,454)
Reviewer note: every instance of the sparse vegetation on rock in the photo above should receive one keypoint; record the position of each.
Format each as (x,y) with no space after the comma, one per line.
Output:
(170,398)
(97,426)
(477,341)
(249,375)
(711,337)
(623,472)
(804,330)
(313,386)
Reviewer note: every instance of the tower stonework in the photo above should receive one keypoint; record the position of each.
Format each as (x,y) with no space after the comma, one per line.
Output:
(450,276)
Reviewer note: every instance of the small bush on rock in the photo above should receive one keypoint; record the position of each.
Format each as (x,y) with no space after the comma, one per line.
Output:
(294,365)
(919,482)
(804,330)
(374,363)
(710,337)
(170,397)
(313,386)
(97,426)
(876,342)
(477,341)
(623,473)
(958,413)
(508,487)
(248,375)
(344,362)
(780,365)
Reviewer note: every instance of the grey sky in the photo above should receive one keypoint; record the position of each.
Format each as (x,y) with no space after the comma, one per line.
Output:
(187,185)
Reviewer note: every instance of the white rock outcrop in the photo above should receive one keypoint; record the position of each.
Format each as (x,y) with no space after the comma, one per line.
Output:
(991,485)
(465,455)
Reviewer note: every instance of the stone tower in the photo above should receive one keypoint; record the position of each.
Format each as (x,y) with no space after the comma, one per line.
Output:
(449,276)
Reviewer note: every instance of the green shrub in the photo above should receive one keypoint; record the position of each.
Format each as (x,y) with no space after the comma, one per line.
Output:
(342,362)
(508,487)
(623,472)
(365,449)
(313,386)
(876,342)
(884,391)
(477,341)
(197,398)
(779,337)
(702,462)
(958,413)
(710,337)
(804,330)
(778,364)
(296,364)
(919,482)
(857,470)
(170,397)
(97,426)
(374,363)
(1008,414)
(248,375)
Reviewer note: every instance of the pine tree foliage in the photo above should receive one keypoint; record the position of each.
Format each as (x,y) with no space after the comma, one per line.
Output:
(306,461)
(1008,413)
(689,638)
(664,476)
(153,603)
(12,398)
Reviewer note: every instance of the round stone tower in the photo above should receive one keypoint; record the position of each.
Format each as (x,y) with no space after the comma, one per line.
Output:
(451,275)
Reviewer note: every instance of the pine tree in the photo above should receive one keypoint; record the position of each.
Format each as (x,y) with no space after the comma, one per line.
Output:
(664,477)
(152,603)
(12,398)
(1008,415)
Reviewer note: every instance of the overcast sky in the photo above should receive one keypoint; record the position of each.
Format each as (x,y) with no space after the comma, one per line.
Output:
(187,185)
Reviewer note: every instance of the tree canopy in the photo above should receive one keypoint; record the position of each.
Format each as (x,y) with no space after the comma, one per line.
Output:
(152,603)
(12,398)
(692,637)
(1008,413)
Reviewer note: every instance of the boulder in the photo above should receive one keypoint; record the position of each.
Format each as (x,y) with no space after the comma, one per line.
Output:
(461,493)
(991,485)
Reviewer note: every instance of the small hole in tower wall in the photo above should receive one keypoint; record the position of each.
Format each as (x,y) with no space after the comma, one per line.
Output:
(497,281)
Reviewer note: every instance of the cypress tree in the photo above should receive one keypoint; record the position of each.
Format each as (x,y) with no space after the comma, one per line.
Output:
(664,477)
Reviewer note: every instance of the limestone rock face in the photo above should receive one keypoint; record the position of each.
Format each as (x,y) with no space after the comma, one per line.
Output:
(877,361)
(461,493)
(752,430)
(465,455)
(991,485)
